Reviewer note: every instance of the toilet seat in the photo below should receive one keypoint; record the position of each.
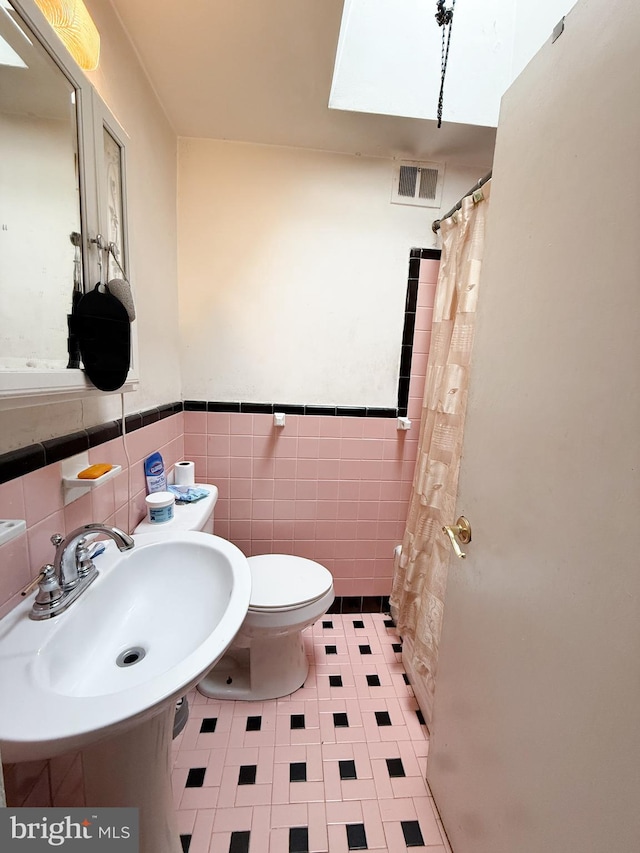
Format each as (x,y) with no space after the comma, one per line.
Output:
(281,582)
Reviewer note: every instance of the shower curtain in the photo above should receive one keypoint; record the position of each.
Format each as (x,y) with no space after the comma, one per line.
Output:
(420,575)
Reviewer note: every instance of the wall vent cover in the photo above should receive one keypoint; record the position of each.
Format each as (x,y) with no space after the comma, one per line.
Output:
(417,183)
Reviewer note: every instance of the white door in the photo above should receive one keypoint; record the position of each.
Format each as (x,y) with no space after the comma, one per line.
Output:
(536,728)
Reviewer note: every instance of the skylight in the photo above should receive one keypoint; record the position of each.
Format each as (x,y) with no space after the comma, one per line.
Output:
(389,55)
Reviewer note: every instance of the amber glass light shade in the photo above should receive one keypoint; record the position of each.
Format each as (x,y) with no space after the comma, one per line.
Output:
(73,24)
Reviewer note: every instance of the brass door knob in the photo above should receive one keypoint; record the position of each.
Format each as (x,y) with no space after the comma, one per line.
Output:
(460,530)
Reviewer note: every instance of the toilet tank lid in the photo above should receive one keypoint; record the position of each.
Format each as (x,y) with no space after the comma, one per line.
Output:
(191,516)
(282,580)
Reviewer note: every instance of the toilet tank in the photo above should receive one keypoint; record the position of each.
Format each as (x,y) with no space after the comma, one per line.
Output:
(193,516)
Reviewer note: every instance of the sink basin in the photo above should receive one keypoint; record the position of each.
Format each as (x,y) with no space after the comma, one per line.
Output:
(153,622)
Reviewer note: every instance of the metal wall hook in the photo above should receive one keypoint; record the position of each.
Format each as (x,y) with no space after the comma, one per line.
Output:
(113,251)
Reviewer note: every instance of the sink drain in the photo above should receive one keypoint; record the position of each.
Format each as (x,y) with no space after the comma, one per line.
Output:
(130,656)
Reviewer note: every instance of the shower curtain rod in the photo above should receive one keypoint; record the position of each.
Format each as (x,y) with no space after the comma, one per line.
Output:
(435,226)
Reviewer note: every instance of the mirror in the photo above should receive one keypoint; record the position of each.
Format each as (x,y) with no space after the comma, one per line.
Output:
(62,183)
(41,258)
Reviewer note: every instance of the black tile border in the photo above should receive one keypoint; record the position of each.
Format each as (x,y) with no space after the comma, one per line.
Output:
(17,463)
(348,604)
(104,432)
(426,254)
(408,332)
(56,449)
(270,408)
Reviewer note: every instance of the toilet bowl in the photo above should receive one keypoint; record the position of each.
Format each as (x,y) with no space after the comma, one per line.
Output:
(267,658)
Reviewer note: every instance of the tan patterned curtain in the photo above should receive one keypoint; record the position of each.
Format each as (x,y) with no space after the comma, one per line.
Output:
(420,579)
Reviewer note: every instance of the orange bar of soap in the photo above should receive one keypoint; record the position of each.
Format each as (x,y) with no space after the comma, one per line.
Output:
(94,471)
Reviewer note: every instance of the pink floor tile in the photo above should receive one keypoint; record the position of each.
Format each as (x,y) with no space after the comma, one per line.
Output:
(306,792)
(186,820)
(314,762)
(289,815)
(318,835)
(199,798)
(381,778)
(241,755)
(289,754)
(333,791)
(344,812)
(219,841)
(396,810)
(201,838)
(253,795)
(229,820)
(337,839)
(374,826)
(278,841)
(228,787)
(280,785)
(359,789)
(428,820)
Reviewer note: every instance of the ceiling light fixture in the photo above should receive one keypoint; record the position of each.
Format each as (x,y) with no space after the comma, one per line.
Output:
(74,26)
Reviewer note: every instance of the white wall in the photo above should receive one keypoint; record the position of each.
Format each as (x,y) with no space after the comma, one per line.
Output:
(389,54)
(151,185)
(293,271)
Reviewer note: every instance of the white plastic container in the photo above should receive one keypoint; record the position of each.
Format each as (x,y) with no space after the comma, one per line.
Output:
(160,506)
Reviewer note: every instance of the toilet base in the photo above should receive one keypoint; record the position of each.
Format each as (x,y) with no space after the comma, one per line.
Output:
(272,667)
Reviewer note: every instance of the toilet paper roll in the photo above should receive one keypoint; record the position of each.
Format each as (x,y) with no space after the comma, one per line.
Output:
(184,473)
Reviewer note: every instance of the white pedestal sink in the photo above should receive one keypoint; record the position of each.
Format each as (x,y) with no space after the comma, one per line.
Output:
(104,675)
(134,769)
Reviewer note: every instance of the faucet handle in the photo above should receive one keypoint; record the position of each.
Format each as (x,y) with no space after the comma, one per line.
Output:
(57,539)
(34,583)
(49,591)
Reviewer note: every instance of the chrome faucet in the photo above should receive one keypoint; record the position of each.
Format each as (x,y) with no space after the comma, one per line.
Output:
(72,570)
(72,561)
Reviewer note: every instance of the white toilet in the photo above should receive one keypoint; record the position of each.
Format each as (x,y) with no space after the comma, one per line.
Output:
(267,658)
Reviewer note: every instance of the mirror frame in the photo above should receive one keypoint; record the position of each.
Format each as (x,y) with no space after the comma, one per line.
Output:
(22,388)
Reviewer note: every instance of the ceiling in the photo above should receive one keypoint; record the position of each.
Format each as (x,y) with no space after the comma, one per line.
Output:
(252,71)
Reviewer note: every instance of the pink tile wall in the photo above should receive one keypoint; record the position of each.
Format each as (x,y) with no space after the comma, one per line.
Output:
(38,498)
(333,489)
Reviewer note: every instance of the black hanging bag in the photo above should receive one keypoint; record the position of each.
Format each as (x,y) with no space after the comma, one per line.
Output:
(103,331)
